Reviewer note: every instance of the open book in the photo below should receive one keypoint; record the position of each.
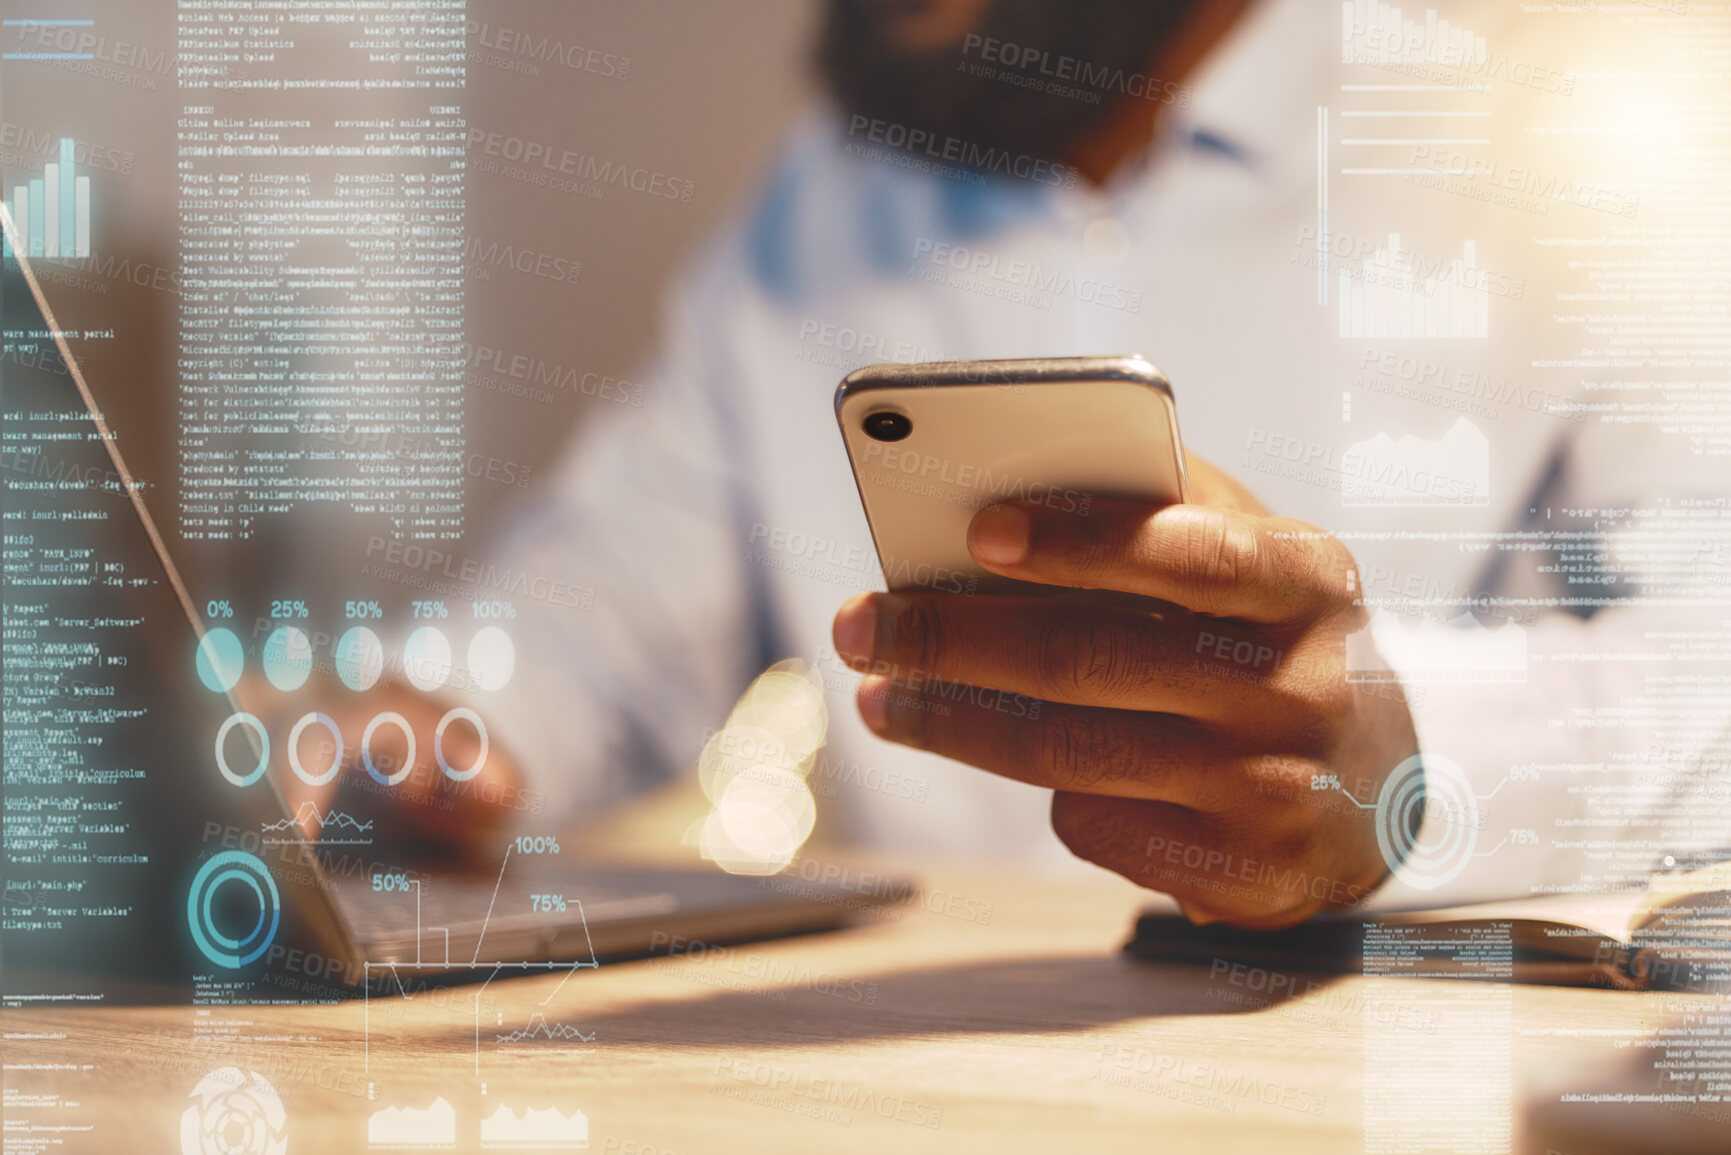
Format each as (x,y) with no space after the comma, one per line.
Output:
(1675,935)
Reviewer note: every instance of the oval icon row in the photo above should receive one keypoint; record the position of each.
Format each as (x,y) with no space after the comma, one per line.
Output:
(359,658)
(314,718)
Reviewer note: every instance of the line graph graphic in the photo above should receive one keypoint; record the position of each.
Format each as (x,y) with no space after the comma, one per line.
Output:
(545,1129)
(1428,819)
(434,1125)
(539,1028)
(570,967)
(309,814)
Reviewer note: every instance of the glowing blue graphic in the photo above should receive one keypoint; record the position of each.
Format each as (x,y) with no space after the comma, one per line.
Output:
(220,660)
(360,658)
(52,215)
(460,713)
(1441,848)
(388,718)
(427,658)
(222,734)
(222,949)
(492,658)
(294,748)
(234,1112)
(288,658)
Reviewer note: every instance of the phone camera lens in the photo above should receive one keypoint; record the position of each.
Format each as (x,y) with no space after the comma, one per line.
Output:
(887,426)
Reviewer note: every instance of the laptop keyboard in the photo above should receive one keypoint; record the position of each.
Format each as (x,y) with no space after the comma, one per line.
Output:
(461,903)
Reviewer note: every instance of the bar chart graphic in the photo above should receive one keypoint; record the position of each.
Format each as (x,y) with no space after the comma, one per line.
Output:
(52,213)
(1394,294)
(1376,33)
(1409,471)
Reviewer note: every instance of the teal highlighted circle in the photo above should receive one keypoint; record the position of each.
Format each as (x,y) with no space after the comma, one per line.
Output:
(360,658)
(427,658)
(210,917)
(222,733)
(492,658)
(220,660)
(219,948)
(288,658)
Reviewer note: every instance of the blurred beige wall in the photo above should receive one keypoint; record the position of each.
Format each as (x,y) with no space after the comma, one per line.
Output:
(710,87)
(696,91)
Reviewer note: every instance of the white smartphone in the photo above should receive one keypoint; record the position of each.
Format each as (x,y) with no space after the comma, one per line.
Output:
(932,444)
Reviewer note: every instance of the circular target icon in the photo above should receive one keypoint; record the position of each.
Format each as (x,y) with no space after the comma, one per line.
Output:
(240,874)
(233,1112)
(1426,854)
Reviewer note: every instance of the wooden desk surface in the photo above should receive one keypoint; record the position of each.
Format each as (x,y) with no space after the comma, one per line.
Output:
(997,1014)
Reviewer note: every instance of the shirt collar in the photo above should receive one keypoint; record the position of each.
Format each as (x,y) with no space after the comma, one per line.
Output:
(1255,93)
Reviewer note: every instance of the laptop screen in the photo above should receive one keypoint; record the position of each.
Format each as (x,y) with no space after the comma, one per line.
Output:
(145,836)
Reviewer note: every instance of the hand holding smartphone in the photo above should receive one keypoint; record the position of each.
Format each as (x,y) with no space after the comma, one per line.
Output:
(1171,665)
(932,444)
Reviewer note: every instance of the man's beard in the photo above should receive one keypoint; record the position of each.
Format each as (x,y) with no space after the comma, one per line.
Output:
(1113,40)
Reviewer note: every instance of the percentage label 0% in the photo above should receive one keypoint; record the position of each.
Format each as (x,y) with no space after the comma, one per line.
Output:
(548,903)
(383,881)
(221,608)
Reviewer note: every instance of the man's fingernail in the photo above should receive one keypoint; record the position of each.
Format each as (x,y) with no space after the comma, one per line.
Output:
(999,535)
(855,630)
(874,702)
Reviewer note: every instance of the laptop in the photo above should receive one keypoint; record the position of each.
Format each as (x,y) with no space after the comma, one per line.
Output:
(171,872)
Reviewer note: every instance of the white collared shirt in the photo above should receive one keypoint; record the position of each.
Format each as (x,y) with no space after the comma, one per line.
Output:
(718,529)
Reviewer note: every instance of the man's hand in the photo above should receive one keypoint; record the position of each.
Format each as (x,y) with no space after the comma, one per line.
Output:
(1180,734)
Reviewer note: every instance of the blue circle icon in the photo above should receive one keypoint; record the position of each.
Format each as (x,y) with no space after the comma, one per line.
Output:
(288,658)
(220,947)
(220,660)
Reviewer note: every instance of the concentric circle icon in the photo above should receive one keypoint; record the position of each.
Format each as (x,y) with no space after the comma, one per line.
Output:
(235,868)
(460,713)
(251,722)
(294,748)
(234,1112)
(388,718)
(1422,854)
